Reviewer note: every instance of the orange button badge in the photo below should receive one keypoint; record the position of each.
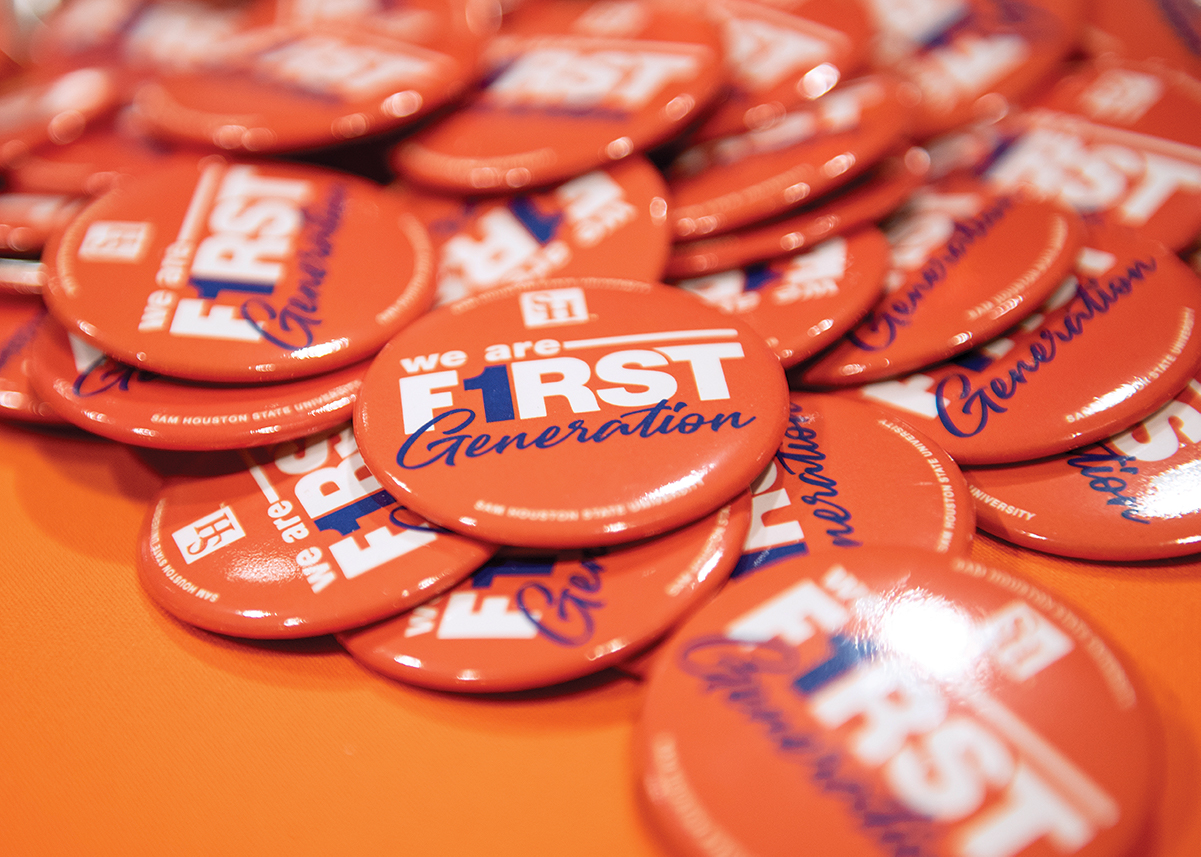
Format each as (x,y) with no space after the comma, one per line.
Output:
(20,318)
(801,304)
(303,83)
(54,109)
(722,184)
(849,475)
(572,412)
(866,199)
(610,222)
(970,58)
(1110,175)
(1129,497)
(893,702)
(967,265)
(573,87)
(241,272)
(1109,348)
(138,407)
(293,541)
(523,622)
(783,54)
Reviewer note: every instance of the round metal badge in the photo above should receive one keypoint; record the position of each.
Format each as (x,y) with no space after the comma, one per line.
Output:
(571,413)
(293,541)
(532,621)
(1130,497)
(240,272)
(894,702)
(142,408)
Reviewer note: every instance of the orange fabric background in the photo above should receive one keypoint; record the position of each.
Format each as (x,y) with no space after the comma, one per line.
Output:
(124,731)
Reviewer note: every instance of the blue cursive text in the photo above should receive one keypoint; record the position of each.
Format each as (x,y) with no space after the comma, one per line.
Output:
(659,419)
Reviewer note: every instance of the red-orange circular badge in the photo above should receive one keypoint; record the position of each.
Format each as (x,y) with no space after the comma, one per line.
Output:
(867,199)
(804,302)
(1110,347)
(894,702)
(967,265)
(572,412)
(293,541)
(243,272)
(1132,496)
(135,406)
(572,87)
(314,81)
(605,223)
(721,184)
(37,109)
(526,622)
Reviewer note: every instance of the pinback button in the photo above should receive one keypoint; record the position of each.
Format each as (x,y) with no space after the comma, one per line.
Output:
(573,87)
(529,622)
(722,184)
(240,272)
(783,54)
(804,302)
(970,58)
(893,701)
(27,220)
(20,317)
(1131,497)
(297,85)
(572,412)
(299,540)
(1111,175)
(36,110)
(1111,346)
(610,222)
(867,199)
(966,265)
(134,406)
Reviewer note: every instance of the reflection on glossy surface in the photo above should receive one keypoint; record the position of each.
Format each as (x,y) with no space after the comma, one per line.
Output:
(261,568)
(1174,493)
(1112,398)
(939,637)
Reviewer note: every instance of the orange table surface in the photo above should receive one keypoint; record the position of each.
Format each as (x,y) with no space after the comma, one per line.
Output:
(123,730)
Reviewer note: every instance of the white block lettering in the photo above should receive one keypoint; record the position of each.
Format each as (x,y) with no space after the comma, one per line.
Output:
(492,621)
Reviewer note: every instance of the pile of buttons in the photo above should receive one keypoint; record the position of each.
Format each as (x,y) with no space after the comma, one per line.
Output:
(514,344)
